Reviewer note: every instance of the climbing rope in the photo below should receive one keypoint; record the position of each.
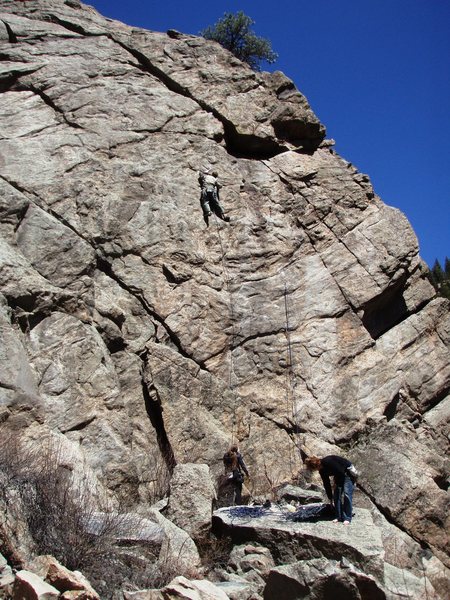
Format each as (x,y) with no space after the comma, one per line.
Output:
(290,375)
(307,513)
(291,382)
(226,279)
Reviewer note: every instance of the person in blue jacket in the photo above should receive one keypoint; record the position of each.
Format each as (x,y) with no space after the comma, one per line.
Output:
(342,471)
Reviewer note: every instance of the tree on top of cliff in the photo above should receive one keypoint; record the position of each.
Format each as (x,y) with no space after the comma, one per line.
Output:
(233,32)
(441,278)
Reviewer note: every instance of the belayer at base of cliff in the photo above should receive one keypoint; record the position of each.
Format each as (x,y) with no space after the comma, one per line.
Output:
(235,467)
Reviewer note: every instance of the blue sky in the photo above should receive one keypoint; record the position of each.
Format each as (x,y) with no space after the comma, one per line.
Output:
(376,73)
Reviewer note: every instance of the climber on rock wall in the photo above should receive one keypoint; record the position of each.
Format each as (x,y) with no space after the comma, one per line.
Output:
(209,198)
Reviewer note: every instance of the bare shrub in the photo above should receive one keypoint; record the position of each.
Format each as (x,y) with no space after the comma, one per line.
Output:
(172,561)
(15,541)
(59,508)
(161,473)
(214,552)
(170,564)
(61,511)
(14,459)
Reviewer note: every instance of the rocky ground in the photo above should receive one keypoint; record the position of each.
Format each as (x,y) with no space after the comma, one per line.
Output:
(136,341)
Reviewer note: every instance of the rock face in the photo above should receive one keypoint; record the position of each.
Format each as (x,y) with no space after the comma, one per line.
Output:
(61,578)
(29,585)
(288,541)
(146,340)
(320,578)
(183,589)
(191,498)
(321,560)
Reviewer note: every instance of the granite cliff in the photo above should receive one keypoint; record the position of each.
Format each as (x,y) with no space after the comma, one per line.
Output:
(135,335)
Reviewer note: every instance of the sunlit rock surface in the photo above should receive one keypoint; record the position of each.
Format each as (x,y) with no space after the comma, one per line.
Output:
(144,337)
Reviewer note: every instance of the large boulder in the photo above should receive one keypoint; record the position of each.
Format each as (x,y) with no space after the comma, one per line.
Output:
(238,589)
(64,580)
(191,498)
(126,528)
(400,583)
(321,578)
(28,586)
(181,588)
(289,541)
(198,589)
(178,552)
(329,580)
(406,481)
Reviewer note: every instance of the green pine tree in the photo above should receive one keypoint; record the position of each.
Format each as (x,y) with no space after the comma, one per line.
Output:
(234,33)
(437,273)
(447,268)
(444,290)
(440,278)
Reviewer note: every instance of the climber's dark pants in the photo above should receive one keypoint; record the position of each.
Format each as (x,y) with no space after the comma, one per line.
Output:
(238,480)
(237,493)
(210,203)
(343,496)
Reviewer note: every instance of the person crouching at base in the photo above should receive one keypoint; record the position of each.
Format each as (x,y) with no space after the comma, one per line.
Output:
(344,480)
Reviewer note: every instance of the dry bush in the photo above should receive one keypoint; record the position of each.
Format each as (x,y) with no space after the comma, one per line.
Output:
(153,574)
(214,552)
(62,510)
(58,508)
(15,541)
(161,473)
(14,459)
